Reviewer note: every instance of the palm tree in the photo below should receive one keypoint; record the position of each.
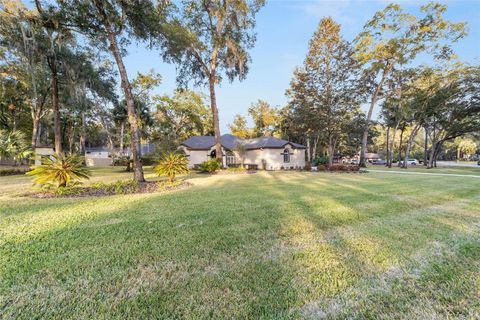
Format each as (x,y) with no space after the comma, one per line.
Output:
(59,171)
(171,165)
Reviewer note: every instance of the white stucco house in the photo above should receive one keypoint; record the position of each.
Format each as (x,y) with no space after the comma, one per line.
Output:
(98,157)
(266,153)
(43,152)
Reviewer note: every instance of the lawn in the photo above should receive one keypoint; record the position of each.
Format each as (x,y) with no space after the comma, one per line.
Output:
(267,245)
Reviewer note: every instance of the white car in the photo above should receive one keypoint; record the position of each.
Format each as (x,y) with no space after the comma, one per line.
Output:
(410,162)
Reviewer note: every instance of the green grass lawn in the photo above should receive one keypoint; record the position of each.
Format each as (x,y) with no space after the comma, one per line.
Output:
(267,245)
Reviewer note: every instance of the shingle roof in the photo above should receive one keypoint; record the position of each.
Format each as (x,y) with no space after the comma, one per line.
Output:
(229,141)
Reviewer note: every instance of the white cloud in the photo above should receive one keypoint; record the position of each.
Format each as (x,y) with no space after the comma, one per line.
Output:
(335,9)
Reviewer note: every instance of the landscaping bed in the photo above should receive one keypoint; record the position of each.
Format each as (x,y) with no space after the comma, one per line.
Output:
(107,189)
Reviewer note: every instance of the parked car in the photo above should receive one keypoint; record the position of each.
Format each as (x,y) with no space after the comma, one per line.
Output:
(410,162)
(379,162)
(354,162)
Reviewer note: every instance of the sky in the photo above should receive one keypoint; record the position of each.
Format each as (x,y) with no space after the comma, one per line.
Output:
(284,29)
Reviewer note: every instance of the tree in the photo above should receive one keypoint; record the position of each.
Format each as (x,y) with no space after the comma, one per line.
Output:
(394,109)
(22,38)
(299,122)
(453,110)
(60,171)
(120,117)
(57,35)
(394,38)
(325,93)
(217,38)
(241,150)
(89,89)
(114,22)
(171,165)
(239,127)
(179,117)
(13,146)
(266,119)
(465,147)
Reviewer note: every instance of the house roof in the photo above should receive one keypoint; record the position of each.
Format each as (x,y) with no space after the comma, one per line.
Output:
(230,142)
(98,149)
(371,155)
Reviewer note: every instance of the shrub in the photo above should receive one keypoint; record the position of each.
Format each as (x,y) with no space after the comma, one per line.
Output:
(210,166)
(236,169)
(149,159)
(339,168)
(171,165)
(117,187)
(59,171)
(121,161)
(99,188)
(14,145)
(13,171)
(320,161)
(68,191)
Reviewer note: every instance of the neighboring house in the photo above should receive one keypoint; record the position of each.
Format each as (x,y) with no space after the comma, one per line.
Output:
(372,156)
(98,157)
(43,152)
(267,153)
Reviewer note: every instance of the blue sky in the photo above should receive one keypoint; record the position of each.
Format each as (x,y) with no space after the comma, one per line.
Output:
(283,31)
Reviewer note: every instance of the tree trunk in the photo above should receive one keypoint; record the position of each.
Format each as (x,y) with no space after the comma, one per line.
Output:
(57,131)
(39,134)
(34,106)
(373,102)
(83,134)
(409,145)
(425,147)
(309,156)
(314,149)
(216,125)
(122,136)
(71,136)
(432,154)
(127,90)
(400,146)
(331,149)
(392,145)
(437,151)
(35,131)
(387,138)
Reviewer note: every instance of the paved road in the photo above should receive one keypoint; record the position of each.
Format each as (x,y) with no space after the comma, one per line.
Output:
(428,173)
(457,164)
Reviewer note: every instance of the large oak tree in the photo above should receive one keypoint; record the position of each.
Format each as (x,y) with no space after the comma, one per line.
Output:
(217,37)
(394,38)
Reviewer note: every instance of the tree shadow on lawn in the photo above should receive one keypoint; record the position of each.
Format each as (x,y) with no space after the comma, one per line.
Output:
(222,250)
(365,258)
(89,264)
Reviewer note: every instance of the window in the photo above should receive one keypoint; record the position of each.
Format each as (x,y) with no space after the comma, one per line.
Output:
(286,156)
(230,158)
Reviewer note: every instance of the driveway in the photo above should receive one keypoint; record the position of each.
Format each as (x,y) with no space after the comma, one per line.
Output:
(427,173)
